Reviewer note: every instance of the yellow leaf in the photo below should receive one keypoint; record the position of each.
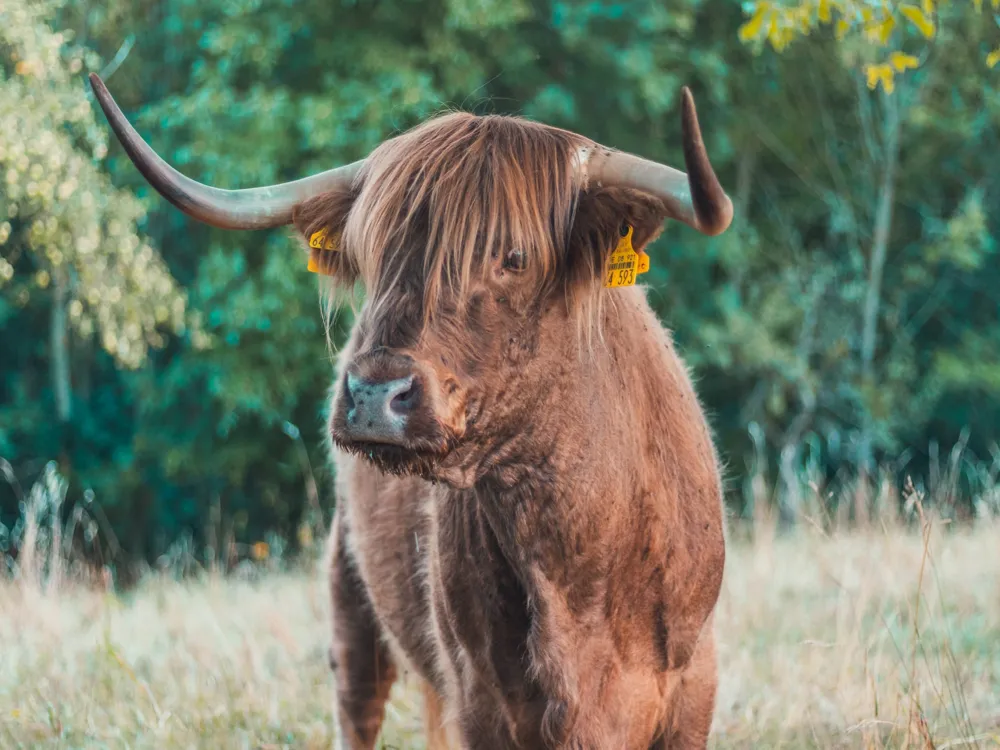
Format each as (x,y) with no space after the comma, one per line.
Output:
(781,38)
(751,29)
(978,5)
(993,58)
(841,29)
(901,61)
(882,31)
(824,11)
(886,31)
(918,19)
(804,23)
(772,29)
(872,75)
(928,6)
(883,73)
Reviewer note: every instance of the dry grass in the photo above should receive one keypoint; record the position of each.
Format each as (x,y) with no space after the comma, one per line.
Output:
(887,637)
(820,647)
(826,642)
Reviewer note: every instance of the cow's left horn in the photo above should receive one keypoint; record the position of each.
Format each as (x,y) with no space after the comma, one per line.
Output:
(696,198)
(252,208)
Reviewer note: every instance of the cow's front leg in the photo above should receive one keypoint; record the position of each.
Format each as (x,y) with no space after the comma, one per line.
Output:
(361,663)
(695,701)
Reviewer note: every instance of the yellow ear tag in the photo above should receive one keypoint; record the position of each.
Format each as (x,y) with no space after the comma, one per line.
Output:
(624,264)
(320,241)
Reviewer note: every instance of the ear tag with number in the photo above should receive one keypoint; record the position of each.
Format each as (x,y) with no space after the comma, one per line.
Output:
(320,241)
(624,264)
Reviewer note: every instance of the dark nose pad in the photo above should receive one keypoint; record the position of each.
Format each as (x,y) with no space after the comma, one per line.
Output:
(378,411)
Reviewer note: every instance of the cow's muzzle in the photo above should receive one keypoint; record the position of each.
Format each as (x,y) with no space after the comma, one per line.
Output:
(388,403)
(378,411)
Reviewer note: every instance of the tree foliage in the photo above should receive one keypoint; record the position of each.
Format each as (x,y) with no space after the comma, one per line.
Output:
(62,222)
(883,24)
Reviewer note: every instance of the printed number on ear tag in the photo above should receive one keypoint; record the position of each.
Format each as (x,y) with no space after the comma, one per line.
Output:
(320,241)
(624,264)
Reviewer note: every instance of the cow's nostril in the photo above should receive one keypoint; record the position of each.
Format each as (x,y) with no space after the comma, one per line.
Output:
(347,395)
(407,399)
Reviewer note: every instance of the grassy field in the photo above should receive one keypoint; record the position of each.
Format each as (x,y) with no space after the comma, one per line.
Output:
(870,639)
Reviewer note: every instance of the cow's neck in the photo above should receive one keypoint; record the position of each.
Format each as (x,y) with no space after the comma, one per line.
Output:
(584,464)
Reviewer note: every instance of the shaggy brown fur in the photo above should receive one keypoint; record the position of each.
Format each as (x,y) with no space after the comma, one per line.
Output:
(546,552)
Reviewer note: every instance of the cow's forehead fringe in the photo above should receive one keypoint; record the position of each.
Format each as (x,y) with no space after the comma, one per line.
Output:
(437,198)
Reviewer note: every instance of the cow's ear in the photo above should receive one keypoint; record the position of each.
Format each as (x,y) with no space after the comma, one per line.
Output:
(601,215)
(320,221)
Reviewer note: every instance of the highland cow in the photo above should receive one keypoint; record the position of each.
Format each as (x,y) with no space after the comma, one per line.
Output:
(529,515)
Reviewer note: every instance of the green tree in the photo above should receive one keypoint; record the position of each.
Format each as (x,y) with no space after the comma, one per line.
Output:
(70,245)
(891,234)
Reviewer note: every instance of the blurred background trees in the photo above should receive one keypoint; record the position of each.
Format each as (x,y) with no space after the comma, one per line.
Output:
(846,326)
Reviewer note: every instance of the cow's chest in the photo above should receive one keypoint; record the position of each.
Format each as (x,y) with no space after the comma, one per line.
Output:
(480,607)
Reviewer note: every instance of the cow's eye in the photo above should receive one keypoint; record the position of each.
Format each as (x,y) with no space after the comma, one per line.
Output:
(515,260)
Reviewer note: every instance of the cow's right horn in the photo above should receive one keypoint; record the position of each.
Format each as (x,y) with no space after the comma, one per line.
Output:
(252,208)
(696,198)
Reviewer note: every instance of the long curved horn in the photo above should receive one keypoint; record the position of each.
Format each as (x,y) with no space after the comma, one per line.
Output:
(696,198)
(252,208)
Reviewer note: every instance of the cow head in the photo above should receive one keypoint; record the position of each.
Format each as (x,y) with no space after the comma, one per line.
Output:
(476,239)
